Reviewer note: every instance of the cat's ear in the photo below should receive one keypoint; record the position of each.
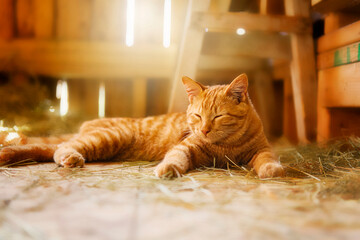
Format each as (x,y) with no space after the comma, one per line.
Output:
(192,88)
(238,87)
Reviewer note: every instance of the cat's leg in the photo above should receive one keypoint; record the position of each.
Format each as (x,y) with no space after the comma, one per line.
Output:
(91,145)
(266,165)
(182,158)
(36,152)
(175,163)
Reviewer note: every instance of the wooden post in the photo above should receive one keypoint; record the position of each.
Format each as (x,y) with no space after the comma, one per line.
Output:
(139,97)
(44,18)
(189,53)
(7,19)
(303,74)
(25,18)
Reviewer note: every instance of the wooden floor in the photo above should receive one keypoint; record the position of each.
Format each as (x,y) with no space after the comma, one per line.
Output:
(125,201)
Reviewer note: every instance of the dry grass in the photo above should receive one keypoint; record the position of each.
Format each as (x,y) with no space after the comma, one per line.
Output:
(320,180)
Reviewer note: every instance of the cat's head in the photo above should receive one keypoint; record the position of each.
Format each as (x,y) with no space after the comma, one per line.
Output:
(217,113)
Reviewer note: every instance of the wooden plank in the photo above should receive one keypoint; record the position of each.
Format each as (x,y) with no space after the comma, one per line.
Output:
(74,19)
(338,57)
(7,19)
(189,52)
(139,97)
(340,86)
(25,18)
(215,62)
(323,124)
(261,45)
(76,59)
(44,18)
(326,6)
(335,20)
(230,21)
(303,74)
(344,36)
(289,120)
(109,20)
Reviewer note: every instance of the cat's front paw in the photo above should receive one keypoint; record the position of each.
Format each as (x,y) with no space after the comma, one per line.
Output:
(7,155)
(167,170)
(69,158)
(270,170)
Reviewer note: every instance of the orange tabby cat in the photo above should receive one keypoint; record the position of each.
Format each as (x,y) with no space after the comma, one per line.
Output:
(220,124)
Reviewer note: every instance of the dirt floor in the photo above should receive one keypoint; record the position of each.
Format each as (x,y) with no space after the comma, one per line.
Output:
(125,201)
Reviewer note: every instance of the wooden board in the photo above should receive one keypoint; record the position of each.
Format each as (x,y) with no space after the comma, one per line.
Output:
(189,52)
(340,86)
(25,18)
(109,20)
(344,36)
(77,59)
(253,44)
(335,20)
(340,56)
(44,18)
(74,19)
(230,21)
(303,74)
(326,6)
(7,19)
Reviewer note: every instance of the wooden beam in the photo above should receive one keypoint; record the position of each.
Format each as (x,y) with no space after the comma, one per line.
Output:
(44,18)
(189,53)
(303,74)
(335,20)
(341,37)
(7,19)
(340,86)
(254,44)
(215,62)
(230,21)
(338,57)
(326,6)
(139,97)
(77,59)
(25,18)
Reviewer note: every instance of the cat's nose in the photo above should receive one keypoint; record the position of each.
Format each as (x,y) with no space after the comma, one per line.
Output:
(205,131)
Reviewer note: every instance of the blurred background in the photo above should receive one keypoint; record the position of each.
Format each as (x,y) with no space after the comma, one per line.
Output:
(66,61)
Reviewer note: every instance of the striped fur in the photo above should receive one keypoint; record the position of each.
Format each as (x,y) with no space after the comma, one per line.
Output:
(220,124)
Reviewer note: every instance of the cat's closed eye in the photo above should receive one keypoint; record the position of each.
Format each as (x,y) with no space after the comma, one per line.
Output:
(217,116)
(197,115)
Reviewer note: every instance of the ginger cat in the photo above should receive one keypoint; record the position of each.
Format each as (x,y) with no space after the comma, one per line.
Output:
(220,123)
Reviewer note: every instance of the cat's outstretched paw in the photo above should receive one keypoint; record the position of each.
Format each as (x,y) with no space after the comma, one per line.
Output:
(167,170)
(7,155)
(270,170)
(69,158)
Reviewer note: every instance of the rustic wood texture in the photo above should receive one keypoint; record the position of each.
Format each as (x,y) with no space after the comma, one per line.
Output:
(78,59)
(139,97)
(341,56)
(326,6)
(335,20)
(189,53)
(343,36)
(109,20)
(74,19)
(303,74)
(230,21)
(340,86)
(25,19)
(7,19)
(44,18)
(261,45)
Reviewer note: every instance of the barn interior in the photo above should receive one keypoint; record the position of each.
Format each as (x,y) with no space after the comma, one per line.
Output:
(63,62)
